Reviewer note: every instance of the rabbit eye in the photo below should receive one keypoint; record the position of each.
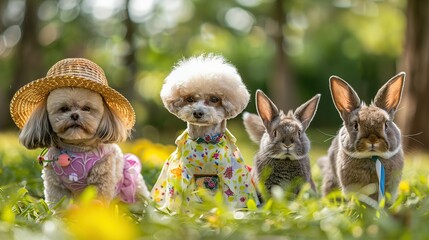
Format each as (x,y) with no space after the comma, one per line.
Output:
(299,133)
(275,133)
(386,126)
(190,99)
(356,126)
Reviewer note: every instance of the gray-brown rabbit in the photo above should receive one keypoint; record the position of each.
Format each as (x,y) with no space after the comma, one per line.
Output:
(282,158)
(368,133)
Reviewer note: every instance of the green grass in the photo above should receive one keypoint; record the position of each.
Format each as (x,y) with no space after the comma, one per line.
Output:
(25,215)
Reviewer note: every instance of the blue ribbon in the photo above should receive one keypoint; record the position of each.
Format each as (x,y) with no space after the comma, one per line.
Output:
(381,177)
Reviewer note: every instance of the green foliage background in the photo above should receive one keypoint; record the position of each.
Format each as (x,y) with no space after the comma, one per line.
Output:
(358,40)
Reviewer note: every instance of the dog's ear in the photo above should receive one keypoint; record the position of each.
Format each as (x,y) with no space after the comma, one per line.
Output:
(112,128)
(230,109)
(235,101)
(173,106)
(37,131)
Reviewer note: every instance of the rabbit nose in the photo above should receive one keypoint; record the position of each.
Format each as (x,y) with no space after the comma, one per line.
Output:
(74,116)
(198,114)
(288,147)
(373,146)
(372,142)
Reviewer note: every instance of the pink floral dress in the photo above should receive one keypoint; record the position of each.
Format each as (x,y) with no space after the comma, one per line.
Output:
(197,165)
(74,176)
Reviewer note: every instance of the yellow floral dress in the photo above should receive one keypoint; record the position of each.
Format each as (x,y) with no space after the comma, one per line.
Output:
(214,165)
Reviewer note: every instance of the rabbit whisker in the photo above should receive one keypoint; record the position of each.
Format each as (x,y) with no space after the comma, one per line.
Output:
(412,135)
(327,134)
(414,139)
(329,139)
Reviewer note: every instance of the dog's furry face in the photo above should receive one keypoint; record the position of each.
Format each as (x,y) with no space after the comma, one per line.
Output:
(203,77)
(200,109)
(73,116)
(75,113)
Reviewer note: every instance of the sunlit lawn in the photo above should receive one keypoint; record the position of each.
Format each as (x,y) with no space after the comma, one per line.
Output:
(24,214)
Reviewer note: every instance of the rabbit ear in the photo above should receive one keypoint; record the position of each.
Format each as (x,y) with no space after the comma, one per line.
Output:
(306,111)
(345,98)
(389,95)
(266,108)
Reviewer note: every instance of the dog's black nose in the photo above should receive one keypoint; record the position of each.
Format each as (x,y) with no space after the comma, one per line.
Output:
(198,114)
(74,116)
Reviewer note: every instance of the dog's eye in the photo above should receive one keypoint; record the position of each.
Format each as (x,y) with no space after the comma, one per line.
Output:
(64,109)
(214,99)
(86,109)
(190,99)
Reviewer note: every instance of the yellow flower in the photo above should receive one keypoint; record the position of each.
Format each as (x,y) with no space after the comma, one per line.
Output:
(150,153)
(213,220)
(404,186)
(94,221)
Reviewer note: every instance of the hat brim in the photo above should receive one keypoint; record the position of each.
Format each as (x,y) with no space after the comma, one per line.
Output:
(27,98)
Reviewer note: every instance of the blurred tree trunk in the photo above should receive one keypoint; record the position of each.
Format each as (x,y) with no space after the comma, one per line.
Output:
(28,56)
(128,89)
(413,116)
(282,88)
(4,100)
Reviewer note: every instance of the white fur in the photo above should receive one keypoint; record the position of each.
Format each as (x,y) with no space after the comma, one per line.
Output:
(206,74)
(291,156)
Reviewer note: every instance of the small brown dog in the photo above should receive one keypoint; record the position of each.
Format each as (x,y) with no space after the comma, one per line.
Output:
(79,119)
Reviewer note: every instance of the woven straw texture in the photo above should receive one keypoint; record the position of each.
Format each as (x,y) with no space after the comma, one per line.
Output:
(70,72)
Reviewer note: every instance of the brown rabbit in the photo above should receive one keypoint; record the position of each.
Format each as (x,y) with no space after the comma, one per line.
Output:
(368,133)
(282,158)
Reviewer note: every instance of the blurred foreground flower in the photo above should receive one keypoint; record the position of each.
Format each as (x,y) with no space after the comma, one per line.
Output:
(91,219)
(404,186)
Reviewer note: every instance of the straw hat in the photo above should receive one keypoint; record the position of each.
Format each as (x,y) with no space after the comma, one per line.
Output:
(70,72)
